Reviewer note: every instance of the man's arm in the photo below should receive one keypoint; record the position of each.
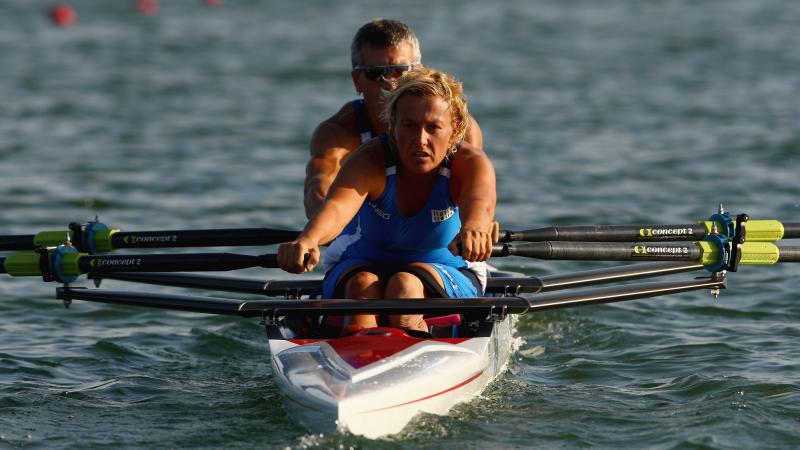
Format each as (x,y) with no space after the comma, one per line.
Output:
(474,134)
(362,175)
(330,146)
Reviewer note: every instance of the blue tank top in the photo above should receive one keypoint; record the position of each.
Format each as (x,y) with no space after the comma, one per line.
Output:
(387,236)
(334,252)
(365,133)
(362,120)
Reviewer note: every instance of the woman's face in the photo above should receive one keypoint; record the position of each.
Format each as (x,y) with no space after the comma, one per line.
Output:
(423,132)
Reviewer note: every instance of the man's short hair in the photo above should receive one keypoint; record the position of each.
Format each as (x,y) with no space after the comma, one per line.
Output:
(383,34)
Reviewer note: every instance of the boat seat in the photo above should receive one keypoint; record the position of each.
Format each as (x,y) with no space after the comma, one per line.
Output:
(444,326)
(444,321)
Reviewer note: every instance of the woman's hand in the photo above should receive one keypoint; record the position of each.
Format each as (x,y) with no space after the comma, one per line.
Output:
(474,244)
(298,256)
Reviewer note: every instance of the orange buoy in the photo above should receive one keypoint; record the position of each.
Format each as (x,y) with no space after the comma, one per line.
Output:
(212,2)
(63,15)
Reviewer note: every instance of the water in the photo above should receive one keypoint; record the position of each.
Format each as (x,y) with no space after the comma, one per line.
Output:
(615,112)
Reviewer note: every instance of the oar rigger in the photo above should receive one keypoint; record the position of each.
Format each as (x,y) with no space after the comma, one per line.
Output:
(729,242)
(93,237)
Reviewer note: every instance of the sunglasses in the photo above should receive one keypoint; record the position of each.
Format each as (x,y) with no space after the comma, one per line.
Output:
(387,73)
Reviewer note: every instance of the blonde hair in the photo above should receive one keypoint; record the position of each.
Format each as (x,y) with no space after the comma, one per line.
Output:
(429,82)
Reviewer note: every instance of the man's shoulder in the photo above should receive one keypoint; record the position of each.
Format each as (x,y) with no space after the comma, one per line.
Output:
(339,130)
(468,151)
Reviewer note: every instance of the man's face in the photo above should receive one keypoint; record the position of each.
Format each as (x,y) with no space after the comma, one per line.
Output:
(364,75)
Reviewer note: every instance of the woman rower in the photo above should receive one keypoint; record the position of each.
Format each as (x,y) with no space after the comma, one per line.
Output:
(426,202)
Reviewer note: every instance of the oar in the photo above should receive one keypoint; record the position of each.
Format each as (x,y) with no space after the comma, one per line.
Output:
(757,231)
(66,266)
(704,252)
(102,239)
(97,237)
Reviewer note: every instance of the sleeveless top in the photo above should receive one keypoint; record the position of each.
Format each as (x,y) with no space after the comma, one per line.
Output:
(333,254)
(362,120)
(385,235)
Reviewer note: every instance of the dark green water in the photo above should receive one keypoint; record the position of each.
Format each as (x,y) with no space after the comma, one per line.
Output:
(615,112)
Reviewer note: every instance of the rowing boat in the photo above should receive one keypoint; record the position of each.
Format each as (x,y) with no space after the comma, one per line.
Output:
(375,381)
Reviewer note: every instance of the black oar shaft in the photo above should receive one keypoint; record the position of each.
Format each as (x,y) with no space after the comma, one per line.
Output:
(755,230)
(17,242)
(61,266)
(601,251)
(174,263)
(609,233)
(791,230)
(789,254)
(201,238)
(152,239)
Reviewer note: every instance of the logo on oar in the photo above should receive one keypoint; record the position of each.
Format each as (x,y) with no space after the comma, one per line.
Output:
(96,263)
(149,239)
(648,250)
(662,232)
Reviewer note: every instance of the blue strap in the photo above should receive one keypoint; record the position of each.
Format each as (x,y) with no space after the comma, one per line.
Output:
(362,120)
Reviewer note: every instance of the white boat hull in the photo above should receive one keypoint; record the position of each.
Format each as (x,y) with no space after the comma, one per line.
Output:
(375,382)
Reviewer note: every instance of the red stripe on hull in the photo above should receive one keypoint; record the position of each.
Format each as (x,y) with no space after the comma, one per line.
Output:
(463,383)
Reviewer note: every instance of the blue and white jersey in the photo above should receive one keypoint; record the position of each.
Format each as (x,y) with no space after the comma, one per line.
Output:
(384,235)
(388,236)
(334,251)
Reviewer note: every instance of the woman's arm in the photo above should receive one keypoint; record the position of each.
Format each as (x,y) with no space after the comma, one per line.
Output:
(361,176)
(473,188)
